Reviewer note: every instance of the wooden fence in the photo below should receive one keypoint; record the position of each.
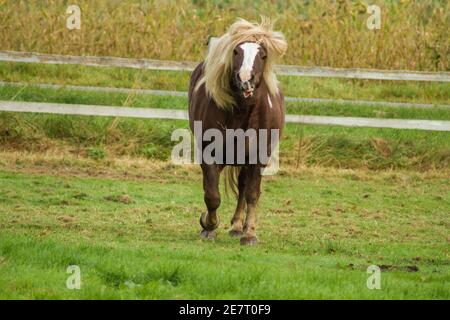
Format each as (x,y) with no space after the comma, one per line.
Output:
(73,109)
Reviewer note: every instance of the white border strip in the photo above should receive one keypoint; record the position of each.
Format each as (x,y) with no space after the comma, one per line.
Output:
(152,113)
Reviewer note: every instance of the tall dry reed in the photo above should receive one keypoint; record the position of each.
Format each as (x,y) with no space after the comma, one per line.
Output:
(414,34)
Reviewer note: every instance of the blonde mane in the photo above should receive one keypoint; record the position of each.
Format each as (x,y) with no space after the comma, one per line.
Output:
(218,62)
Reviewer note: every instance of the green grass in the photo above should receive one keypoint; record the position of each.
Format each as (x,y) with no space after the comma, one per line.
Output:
(366,148)
(318,233)
(415,92)
(328,146)
(91,97)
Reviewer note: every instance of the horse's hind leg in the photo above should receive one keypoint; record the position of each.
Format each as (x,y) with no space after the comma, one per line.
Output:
(237,223)
(252,193)
(210,220)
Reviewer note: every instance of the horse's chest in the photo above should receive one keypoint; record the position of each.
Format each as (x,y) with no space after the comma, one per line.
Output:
(244,120)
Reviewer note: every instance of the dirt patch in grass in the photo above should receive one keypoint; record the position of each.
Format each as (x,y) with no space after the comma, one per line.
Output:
(124,198)
(412,268)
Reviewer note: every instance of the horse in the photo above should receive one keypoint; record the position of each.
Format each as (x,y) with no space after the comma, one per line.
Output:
(235,87)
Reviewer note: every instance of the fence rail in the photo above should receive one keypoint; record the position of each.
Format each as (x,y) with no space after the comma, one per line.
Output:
(290,70)
(185,94)
(154,113)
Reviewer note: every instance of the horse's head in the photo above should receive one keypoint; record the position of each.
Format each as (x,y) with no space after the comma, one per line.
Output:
(241,60)
(248,67)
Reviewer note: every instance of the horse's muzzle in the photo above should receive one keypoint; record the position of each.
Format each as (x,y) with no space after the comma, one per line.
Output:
(246,87)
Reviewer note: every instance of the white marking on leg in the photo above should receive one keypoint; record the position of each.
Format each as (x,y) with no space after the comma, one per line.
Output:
(270,100)
(250,51)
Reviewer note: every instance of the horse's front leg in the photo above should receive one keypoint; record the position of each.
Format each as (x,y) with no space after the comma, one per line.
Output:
(210,220)
(237,223)
(252,193)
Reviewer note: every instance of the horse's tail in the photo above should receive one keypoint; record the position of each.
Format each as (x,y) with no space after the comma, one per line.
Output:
(231,174)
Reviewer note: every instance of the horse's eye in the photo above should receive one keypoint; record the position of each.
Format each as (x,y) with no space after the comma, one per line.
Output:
(235,52)
(264,57)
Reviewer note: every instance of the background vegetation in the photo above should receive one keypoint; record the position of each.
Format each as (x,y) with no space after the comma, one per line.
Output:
(414,34)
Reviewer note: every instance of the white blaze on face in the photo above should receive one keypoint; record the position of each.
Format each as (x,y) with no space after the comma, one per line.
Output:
(250,51)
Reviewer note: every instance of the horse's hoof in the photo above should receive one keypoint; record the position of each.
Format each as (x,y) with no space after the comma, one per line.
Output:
(205,226)
(208,235)
(249,240)
(235,233)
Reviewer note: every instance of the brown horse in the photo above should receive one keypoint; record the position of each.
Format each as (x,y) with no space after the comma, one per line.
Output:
(236,88)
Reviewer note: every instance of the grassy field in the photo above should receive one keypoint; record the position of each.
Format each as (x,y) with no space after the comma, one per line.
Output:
(132,228)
